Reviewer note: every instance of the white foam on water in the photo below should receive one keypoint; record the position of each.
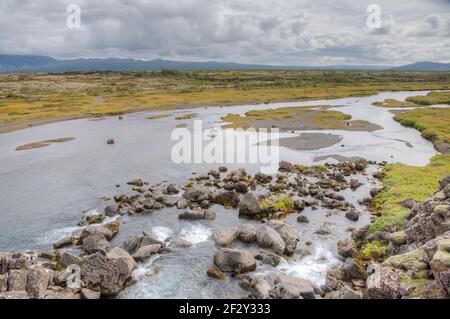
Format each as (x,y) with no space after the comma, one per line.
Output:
(196,233)
(313,266)
(54,235)
(162,233)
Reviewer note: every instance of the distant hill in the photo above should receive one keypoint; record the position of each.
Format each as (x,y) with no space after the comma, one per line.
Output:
(10,63)
(34,63)
(424,66)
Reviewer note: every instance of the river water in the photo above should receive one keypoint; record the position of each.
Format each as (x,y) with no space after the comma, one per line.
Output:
(44,191)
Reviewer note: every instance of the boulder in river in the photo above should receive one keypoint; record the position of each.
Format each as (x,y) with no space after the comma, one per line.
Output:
(145,252)
(172,189)
(136,182)
(95,243)
(226,237)
(103,274)
(268,237)
(352,214)
(228,199)
(249,205)
(232,260)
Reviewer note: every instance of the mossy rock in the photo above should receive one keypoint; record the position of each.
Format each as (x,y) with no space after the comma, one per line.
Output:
(415,260)
(442,255)
(398,238)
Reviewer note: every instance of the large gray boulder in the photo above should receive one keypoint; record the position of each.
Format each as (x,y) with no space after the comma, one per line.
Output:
(38,280)
(123,259)
(287,233)
(145,252)
(103,274)
(228,199)
(198,194)
(267,237)
(17,280)
(237,261)
(95,243)
(249,205)
(226,237)
(247,233)
(289,287)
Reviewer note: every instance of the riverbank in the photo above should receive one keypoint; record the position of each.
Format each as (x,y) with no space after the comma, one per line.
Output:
(36,99)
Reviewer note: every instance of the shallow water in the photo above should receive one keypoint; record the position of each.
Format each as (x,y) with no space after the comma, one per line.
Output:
(43,191)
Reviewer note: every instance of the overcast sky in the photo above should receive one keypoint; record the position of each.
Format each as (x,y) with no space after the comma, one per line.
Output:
(284,32)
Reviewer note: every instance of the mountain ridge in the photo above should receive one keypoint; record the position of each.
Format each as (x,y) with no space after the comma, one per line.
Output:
(38,63)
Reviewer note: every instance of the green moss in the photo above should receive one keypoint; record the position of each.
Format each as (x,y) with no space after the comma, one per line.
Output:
(283,204)
(402,182)
(374,250)
(417,284)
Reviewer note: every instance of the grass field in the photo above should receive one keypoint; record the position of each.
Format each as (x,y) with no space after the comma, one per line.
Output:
(407,182)
(432,98)
(434,123)
(36,98)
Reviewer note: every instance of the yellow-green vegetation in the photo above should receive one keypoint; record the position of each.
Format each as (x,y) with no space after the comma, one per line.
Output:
(417,284)
(186,116)
(308,117)
(373,250)
(407,182)
(159,116)
(43,143)
(393,103)
(434,123)
(432,98)
(39,98)
(282,204)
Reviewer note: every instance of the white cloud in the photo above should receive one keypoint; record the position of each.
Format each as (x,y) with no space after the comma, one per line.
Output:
(255,31)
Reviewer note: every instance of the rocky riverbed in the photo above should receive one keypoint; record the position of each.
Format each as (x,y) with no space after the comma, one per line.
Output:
(264,239)
(226,232)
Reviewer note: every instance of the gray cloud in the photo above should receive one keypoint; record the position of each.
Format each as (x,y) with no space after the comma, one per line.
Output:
(256,31)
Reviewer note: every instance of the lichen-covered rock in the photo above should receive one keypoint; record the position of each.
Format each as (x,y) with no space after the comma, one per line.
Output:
(415,261)
(38,280)
(398,238)
(17,280)
(103,274)
(384,283)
